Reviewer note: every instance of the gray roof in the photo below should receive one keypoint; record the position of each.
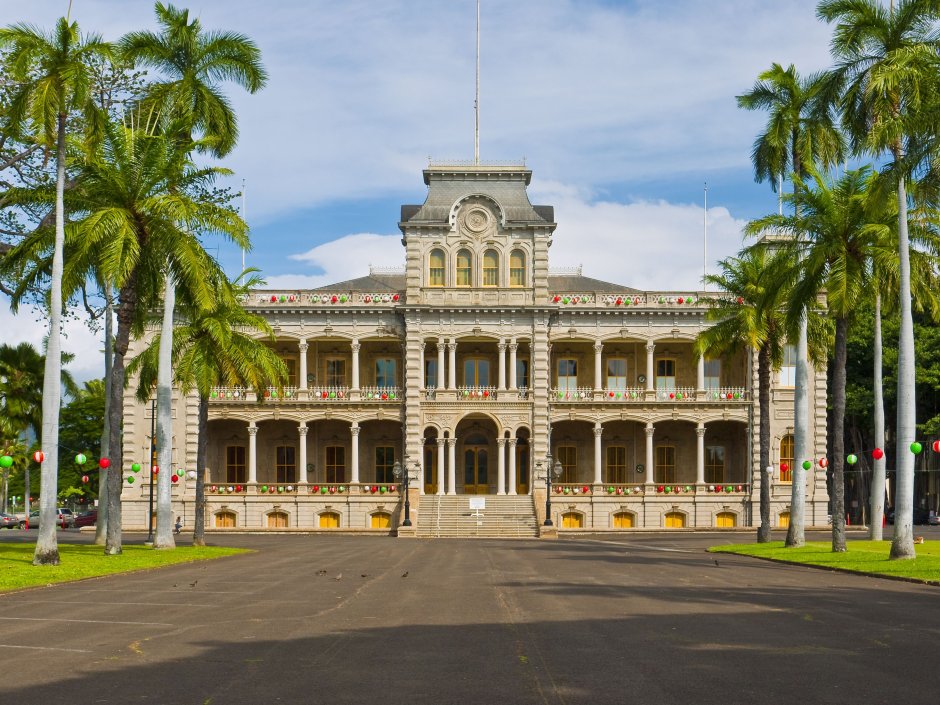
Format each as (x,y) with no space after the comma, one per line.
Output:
(506,185)
(380,283)
(578,284)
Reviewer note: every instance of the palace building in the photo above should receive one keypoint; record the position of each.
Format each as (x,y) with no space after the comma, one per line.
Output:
(476,368)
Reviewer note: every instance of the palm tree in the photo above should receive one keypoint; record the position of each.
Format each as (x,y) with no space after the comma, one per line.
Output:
(43,101)
(188,101)
(751,317)
(131,225)
(800,131)
(214,346)
(847,226)
(884,81)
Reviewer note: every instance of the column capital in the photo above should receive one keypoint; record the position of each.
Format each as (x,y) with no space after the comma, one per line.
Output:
(303,346)
(501,442)
(303,428)
(598,430)
(512,442)
(650,430)
(252,429)
(355,345)
(598,346)
(513,346)
(700,430)
(451,442)
(441,442)
(650,346)
(501,346)
(452,345)
(354,429)
(441,345)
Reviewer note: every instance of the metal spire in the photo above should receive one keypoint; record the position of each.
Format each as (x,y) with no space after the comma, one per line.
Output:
(476,102)
(705,242)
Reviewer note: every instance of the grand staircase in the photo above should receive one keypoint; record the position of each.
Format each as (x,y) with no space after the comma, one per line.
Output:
(450,516)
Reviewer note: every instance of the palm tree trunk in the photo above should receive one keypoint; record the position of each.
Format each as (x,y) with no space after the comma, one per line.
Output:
(26,484)
(101,525)
(164,535)
(838,436)
(801,447)
(125,314)
(47,547)
(763,380)
(202,451)
(903,544)
(878,471)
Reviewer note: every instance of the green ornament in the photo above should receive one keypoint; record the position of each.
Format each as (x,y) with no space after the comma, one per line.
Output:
(135,467)
(916,447)
(214,395)
(618,395)
(391,395)
(852,459)
(80,459)
(342,298)
(6,461)
(688,488)
(715,395)
(668,489)
(130,480)
(323,490)
(283,298)
(737,395)
(678,395)
(807,465)
(567,490)
(342,488)
(565,300)
(729,489)
(662,299)
(332,395)
(264,488)
(280,489)
(383,490)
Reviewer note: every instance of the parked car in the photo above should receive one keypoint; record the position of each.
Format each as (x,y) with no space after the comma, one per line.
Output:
(921,515)
(8,521)
(89,518)
(64,519)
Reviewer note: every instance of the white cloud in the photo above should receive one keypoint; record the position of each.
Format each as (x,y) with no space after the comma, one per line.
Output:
(30,326)
(345,258)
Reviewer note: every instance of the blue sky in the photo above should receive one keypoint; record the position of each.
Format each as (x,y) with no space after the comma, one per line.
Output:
(623,110)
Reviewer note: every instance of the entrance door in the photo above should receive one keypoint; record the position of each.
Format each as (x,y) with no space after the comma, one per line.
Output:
(475,480)
(522,468)
(430,469)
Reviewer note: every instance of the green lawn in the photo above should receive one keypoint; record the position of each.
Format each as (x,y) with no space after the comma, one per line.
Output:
(77,562)
(862,556)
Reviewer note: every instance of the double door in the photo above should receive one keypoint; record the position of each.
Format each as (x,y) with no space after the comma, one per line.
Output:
(476,469)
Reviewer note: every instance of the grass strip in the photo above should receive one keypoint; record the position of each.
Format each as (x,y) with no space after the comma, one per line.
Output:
(88,561)
(870,557)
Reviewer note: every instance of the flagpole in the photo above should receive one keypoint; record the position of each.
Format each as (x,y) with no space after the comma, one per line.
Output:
(244,220)
(705,243)
(476,102)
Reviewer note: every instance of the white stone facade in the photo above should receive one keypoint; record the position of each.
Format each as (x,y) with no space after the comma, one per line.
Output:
(476,367)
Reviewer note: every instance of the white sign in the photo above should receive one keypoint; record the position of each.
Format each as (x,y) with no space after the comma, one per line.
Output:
(478,503)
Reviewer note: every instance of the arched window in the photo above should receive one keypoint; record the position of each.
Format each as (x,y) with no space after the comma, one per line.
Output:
(225,520)
(517,268)
(436,268)
(329,520)
(786,459)
(572,520)
(675,520)
(783,520)
(464,268)
(624,520)
(726,520)
(277,520)
(380,520)
(490,268)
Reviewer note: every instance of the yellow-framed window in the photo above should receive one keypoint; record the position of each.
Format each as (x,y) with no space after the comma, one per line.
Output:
(384,460)
(788,368)
(225,520)
(786,458)
(616,464)
(567,373)
(329,520)
(335,464)
(491,268)
(335,372)
(517,268)
(572,520)
(464,268)
(235,470)
(712,373)
(436,268)
(476,372)
(380,520)
(666,373)
(277,520)
(675,520)
(616,373)
(665,469)
(714,464)
(285,463)
(624,520)
(568,457)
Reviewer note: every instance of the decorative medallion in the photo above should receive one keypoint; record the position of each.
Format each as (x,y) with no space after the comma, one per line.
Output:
(477,220)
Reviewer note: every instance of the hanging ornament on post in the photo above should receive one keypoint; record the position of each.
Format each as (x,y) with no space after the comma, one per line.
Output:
(6,461)
(807,465)
(134,468)
(39,456)
(936,446)
(877,454)
(104,463)
(916,447)
(80,459)
(824,463)
(851,459)
(85,479)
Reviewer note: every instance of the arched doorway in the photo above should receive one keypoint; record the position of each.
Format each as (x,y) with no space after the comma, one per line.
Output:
(675,520)
(476,455)
(476,464)
(726,520)
(277,520)
(430,462)
(624,520)
(572,520)
(225,520)
(380,520)
(522,461)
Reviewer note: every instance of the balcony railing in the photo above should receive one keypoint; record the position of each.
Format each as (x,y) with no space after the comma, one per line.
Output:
(381,393)
(329,394)
(228,393)
(625,394)
(273,393)
(573,394)
(476,393)
(726,394)
(677,394)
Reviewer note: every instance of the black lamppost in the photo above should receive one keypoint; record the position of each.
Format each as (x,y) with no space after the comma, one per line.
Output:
(153,462)
(552,470)
(397,471)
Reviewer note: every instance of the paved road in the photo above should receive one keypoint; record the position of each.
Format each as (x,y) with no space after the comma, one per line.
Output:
(345,619)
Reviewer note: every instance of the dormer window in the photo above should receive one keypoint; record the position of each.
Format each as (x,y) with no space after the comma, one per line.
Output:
(517,268)
(490,268)
(436,268)
(464,268)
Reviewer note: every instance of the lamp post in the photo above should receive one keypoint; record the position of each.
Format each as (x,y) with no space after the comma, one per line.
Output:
(153,462)
(398,471)
(552,470)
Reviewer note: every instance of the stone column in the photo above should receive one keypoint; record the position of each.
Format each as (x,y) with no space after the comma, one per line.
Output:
(700,454)
(451,466)
(252,453)
(439,382)
(302,455)
(598,364)
(501,466)
(598,459)
(512,466)
(440,464)
(355,364)
(700,374)
(650,379)
(649,454)
(354,453)
(502,364)
(303,364)
(513,348)
(452,364)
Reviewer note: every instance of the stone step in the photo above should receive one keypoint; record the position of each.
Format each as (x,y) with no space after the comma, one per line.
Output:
(451,517)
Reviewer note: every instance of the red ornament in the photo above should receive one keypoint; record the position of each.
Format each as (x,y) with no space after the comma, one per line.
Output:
(557,489)
(485,394)
(681,300)
(104,463)
(660,488)
(334,299)
(584,490)
(238,488)
(610,394)
(155,469)
(936,446)
(672,395)
(619,301)
(740,488)
(332,490)
(730,395)
(824,462)
(214,488)
(877,454)
(39,456)
(384,395)
(85,479)
(784,467)
(740,300)
(374,489)
(556,299)
(325,395)
(368,299)
(316,488)
(175,478)
(394,297)
(273,299)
